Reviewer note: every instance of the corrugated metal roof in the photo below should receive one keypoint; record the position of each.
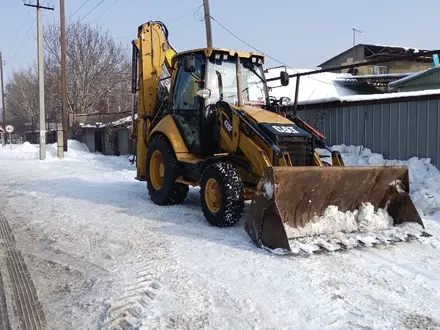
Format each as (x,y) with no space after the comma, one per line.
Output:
(413,77)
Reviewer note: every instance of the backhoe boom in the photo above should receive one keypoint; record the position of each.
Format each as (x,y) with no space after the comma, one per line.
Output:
(152,54)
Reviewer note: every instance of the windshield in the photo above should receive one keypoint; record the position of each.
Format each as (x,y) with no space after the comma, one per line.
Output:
(221,80)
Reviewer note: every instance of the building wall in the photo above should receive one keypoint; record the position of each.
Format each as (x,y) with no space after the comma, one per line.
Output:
(392,67)
(407,66)
(87,136)
(101,140)
(398,130)
(125,145)
(418,88)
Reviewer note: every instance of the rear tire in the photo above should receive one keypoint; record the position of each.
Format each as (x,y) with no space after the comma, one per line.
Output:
(162,172)
(222,194)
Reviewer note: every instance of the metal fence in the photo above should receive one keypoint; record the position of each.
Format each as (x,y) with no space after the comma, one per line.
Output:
(398,129)
(107,142)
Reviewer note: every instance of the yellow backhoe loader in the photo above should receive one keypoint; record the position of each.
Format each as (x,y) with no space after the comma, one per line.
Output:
(204,118)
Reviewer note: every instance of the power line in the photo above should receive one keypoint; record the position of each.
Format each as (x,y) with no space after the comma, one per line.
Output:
(186,28)
(108,8)
(84,3)
(99,3)
(24,40)
(21,28)
(274,59)
(193,11)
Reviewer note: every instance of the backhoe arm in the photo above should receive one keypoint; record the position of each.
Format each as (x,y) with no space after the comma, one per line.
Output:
(152,54)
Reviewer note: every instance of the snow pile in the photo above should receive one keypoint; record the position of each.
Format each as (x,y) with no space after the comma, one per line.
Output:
(26,150)
(424,177)
(364,219)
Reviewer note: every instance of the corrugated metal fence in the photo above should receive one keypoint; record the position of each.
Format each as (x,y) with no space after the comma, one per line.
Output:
(400,129)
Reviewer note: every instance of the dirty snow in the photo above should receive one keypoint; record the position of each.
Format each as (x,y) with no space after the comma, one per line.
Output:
(101,255)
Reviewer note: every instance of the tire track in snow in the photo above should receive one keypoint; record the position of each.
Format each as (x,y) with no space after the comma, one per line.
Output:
(4,319)
(28,309)
(132,307)
(160,296)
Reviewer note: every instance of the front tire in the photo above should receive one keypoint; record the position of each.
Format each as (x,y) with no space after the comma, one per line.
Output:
(162,172)
(222,194)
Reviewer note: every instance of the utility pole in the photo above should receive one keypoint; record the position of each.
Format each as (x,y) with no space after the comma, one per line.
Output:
(208,23)
(63,75)
(3,90)
(41,76)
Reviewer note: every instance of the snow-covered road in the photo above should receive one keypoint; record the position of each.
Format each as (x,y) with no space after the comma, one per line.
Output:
(100,254)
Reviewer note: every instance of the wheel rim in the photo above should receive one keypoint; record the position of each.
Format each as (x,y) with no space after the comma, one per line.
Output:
(213,195)
(157,170)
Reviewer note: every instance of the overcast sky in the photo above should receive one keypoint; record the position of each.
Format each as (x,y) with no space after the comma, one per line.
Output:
(301,34)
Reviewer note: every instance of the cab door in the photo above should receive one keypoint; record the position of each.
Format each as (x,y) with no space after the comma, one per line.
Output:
(187,105)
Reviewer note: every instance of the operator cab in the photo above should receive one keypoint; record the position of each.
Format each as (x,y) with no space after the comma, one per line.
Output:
(205,76)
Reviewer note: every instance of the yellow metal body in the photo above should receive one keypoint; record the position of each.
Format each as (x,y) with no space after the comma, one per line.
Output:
(154,53)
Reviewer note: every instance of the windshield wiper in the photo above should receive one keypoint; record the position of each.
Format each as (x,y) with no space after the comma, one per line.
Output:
(250,67)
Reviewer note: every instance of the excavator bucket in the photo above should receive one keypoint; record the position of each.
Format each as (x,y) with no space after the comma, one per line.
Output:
(311,209)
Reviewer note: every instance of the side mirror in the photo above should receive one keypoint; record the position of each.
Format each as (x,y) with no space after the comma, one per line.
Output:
(204,93)
(284,77)
(285,100)
(189,63)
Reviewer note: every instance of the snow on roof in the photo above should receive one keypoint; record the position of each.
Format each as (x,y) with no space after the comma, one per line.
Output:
(369,97)
(121,121)
(324,88)
(416,50)
(124,120)
(316,88)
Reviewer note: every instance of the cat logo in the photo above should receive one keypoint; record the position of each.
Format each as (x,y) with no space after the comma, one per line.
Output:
(285,129)
(227,125)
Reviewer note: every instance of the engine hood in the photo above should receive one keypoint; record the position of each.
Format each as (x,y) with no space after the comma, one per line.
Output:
(264,116)
(273,123)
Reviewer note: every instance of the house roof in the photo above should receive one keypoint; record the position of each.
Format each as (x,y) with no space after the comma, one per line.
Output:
(413,77)
(316,88)
(377,50)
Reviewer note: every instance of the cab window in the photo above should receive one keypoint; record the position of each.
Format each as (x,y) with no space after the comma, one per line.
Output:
(185,92)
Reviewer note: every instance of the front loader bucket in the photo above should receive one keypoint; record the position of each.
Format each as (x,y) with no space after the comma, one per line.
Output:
(291,203)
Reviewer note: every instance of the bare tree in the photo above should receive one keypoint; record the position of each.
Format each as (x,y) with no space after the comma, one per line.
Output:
(98,77)
(97,68)
(22,97)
